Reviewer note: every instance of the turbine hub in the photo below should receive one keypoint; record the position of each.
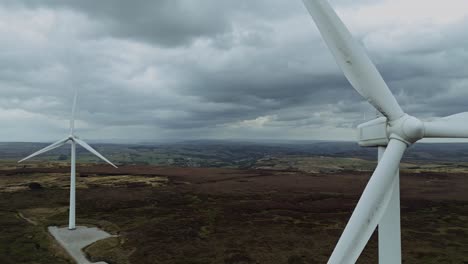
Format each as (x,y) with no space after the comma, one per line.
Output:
(413,128)
(408,129)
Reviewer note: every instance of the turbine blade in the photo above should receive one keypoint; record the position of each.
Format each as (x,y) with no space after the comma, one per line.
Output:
(72,119)
(48,148)
(371,206)
(90,149)
(353,60)
(454,126)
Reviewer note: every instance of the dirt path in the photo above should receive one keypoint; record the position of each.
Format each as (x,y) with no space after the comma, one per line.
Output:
(20,215)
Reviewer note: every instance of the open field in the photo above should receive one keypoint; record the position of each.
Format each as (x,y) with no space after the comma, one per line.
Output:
(222,215)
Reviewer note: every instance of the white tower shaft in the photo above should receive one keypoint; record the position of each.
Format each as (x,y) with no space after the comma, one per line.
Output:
(71,219)
(389,226)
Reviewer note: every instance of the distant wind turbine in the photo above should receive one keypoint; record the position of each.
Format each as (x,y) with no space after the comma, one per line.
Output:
(392,133)
(73,139)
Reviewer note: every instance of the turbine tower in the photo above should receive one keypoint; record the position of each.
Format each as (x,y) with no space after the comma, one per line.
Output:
(392,133)
(73,139)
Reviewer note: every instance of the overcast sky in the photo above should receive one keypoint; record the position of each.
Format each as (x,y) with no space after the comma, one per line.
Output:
(212,69)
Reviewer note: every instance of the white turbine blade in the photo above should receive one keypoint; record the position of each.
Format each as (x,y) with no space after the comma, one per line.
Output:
(454,126)
(371,206)
(353,60)
(72,119)
(90,149)
(50,147)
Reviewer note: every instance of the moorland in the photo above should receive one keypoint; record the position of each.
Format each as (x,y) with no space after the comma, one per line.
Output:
(227,202)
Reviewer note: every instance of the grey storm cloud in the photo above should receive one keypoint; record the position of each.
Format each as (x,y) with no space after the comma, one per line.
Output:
(152,70)
(165,22)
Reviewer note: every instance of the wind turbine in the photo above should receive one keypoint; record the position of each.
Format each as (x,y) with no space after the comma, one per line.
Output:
(73,139)
(392,133)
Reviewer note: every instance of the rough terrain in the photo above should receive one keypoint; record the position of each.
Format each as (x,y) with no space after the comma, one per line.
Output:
(219,215)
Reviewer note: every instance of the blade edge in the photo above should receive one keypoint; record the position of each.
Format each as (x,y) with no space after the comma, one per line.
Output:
(92,150)
(353,60)
(46,149)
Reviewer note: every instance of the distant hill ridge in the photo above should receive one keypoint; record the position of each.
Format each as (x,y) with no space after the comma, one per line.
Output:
(224,151)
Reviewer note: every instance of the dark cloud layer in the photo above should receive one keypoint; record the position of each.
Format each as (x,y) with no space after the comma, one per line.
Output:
(152,70)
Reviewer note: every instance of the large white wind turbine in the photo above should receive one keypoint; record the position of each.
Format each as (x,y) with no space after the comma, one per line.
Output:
(73,139)
(392,133)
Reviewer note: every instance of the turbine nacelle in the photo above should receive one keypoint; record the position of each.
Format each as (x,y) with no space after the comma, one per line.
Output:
(409,129)
(379,131)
